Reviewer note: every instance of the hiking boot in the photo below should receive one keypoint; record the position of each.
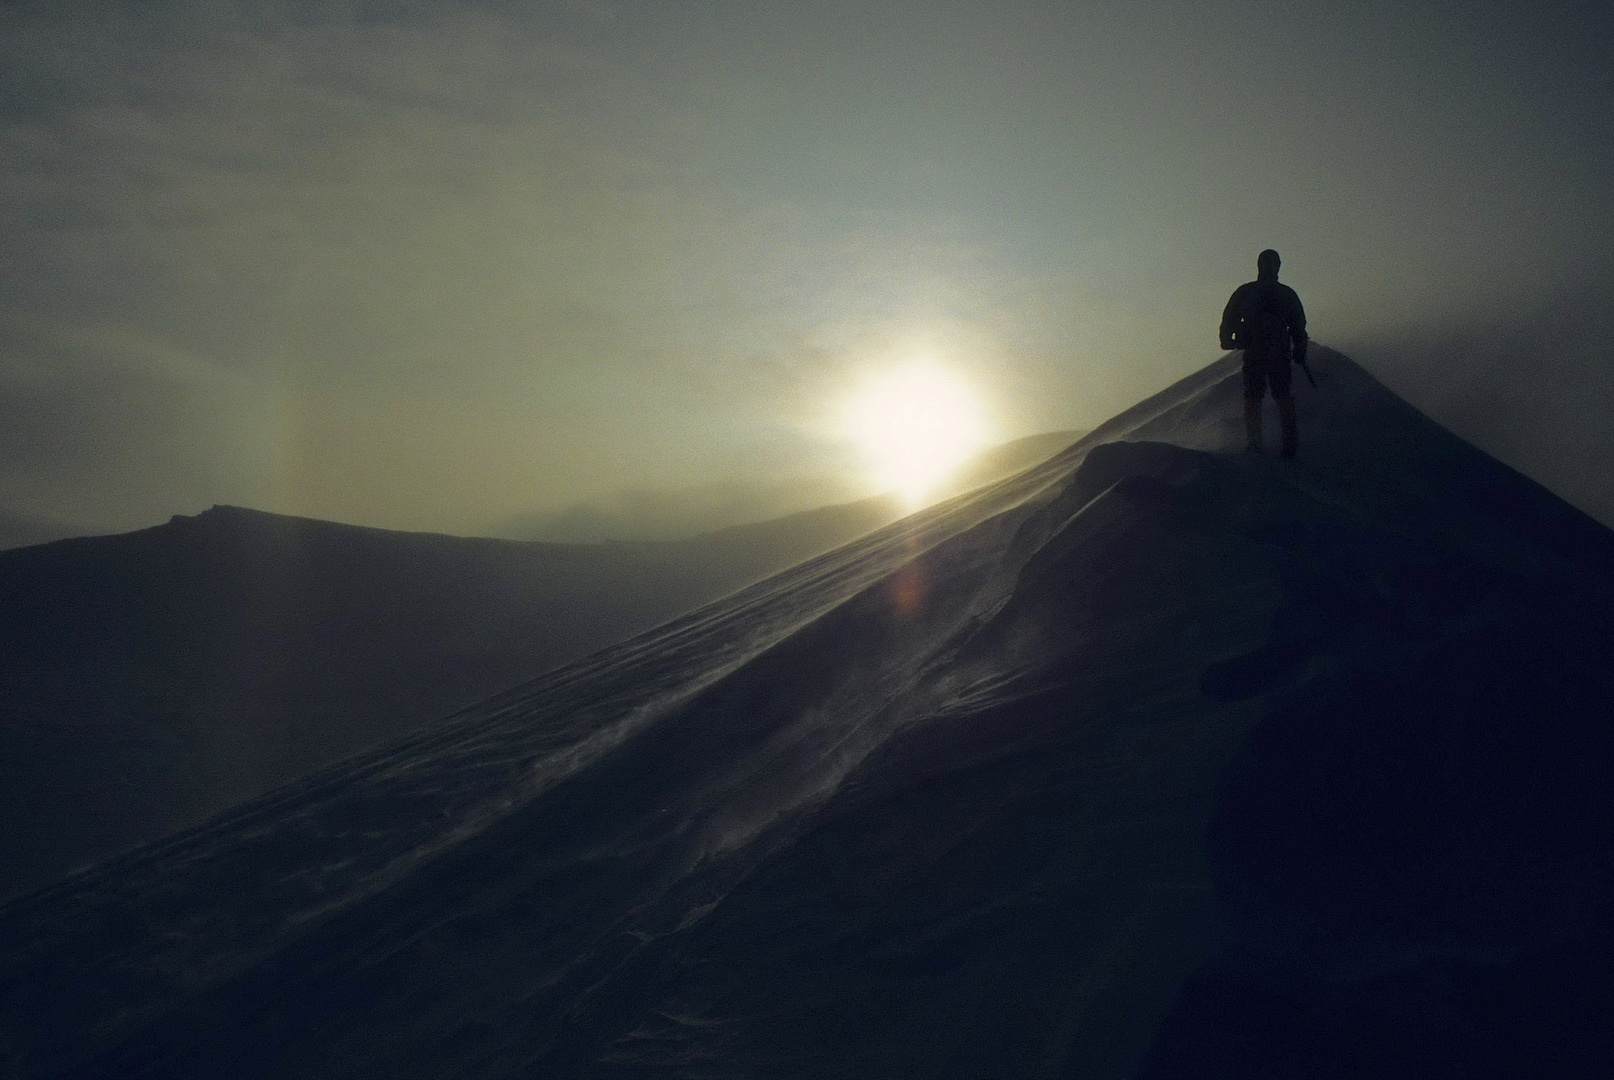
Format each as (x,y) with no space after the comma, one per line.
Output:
(1252,425)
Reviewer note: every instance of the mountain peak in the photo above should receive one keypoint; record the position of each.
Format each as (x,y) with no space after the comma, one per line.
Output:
(1088,772)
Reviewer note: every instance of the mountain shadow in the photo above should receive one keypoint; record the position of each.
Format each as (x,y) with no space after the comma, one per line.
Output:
(1159,759)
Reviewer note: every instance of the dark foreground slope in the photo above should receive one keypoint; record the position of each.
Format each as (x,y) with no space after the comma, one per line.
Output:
(1155,759)
(151,680)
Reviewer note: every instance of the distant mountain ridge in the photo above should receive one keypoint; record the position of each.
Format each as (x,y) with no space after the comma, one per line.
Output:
(1006,459)
(677,516)
(152,679)
(157,677)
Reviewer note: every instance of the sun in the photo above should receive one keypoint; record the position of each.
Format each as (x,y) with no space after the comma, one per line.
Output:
(916,424)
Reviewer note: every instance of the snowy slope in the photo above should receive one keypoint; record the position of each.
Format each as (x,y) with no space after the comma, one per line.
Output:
(1095,770)
(154,679)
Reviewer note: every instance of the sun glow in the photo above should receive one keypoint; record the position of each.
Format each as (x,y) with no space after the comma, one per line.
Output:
(916,424)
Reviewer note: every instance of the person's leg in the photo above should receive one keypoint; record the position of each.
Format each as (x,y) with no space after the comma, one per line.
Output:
(1286,420)
(1286,408)
(1255,387)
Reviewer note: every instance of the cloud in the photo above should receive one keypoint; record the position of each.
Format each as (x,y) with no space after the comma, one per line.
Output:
(1531,383)
(443,286)
(432,264)
(383,228)
(100,428)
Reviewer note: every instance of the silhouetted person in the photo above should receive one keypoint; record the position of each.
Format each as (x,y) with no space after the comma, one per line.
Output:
(1265,319)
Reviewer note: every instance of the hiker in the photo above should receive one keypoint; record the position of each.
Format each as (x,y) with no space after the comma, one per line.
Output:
(1265,319)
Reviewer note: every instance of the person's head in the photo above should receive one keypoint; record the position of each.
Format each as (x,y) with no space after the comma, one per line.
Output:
(1266,265)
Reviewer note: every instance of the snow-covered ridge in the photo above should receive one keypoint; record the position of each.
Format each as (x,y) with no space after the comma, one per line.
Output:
(871,795)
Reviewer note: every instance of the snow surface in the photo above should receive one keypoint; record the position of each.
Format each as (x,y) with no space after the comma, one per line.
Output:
(979,795)
(152,680)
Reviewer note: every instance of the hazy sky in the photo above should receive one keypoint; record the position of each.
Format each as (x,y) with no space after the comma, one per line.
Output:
(435,265)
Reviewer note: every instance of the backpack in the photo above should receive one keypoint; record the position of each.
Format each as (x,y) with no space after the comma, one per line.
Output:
(1268,336)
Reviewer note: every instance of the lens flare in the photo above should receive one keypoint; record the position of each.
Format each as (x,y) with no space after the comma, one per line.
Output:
(916,424)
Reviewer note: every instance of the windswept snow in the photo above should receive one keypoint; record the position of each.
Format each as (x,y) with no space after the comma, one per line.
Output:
(934,804)
(157,678)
